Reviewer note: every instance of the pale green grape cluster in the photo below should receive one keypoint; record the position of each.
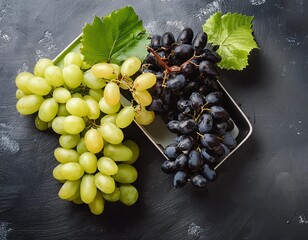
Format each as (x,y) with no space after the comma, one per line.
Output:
(82,104)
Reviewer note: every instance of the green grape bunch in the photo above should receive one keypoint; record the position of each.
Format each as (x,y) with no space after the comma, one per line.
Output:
(82,104)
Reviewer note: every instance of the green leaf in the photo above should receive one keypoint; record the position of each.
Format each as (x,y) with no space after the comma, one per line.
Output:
(232,33)
(114,38)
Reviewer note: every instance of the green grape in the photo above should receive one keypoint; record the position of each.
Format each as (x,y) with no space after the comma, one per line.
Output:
(69,140)
(103,70)
(29,104)
(64,155)
(88,188)
(93,82)
(117,152)
(57,125)
(40,125)
(19,94)
(126,173)
(72,76)
(94,111)
(128,194)
(69,189)
(111,133)
(94,140)
(73,124)
(144,81)
(81,146)
(112,94)
(77,199)
(22,81)
(56,173)
(48,110)
(77,95)
(104,183)
(72,171)
(109,118)
(97,94)
(112,197)
(126,83)
(61,95)
(134,148)
(41,66)
(125,117)
(54,76)
(97,205)
(105,108)
(72,58)
(107,166)
(84,65)
(39,86)
(62,111)
(88,161)
(77,107)
(130,66)
(116,68)
(143,98)
(144,117)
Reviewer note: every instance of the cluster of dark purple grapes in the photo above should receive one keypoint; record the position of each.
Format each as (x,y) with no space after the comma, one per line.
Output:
(190,101)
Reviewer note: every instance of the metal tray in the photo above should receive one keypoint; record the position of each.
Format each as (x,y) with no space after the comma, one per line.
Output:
(158,133)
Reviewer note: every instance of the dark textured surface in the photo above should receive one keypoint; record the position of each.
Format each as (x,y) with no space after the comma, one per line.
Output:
(262,190)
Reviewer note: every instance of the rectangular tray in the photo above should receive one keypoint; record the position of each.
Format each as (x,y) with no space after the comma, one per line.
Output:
(158,133)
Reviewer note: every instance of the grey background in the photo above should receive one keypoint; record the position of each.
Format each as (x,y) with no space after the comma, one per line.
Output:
(262,190)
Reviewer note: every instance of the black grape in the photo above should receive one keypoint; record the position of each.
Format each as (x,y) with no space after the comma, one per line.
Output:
(195,161)
(200,41)
(188,126)
(207,157)
(230,126)
(156,105)
(210,141)
(182,104)
(219,114)
(210,55)
(226,149)
(180,179)
(229,140)
(173,126)
(183,117)
(185,36)
(208,68)
(167,39)
(155,42)
(156,90)
(177,82)
(220,128)
(209,173)
(181,161)
(182,53)
(172,150)
(189,69)
(205,123)
(186,143)
(191,87)
(198,181)
(214,98)
(196,100)
(168,167)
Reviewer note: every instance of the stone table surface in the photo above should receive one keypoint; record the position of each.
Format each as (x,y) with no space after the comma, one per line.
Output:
(262,190)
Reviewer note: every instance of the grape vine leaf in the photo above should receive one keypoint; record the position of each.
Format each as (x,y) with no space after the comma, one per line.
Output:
(232,33)
(114,38)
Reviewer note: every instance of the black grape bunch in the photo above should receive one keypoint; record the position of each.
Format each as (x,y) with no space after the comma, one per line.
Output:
(188,98)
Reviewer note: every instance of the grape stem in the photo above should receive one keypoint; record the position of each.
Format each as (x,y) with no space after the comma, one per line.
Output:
(165,65)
